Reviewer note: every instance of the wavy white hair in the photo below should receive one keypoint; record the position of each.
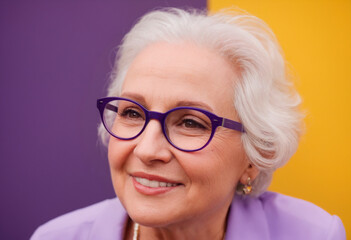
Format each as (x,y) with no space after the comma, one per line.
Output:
(264,99)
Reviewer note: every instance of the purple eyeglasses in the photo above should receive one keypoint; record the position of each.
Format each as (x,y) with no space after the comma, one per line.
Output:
(188,129)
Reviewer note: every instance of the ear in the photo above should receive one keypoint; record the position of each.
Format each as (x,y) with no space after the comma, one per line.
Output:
(251,172)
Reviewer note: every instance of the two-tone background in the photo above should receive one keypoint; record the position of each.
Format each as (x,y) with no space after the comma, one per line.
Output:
(55,58)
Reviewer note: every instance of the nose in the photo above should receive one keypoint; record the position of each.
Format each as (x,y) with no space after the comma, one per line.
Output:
(152,146)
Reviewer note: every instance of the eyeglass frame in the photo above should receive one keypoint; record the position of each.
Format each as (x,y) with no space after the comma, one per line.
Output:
(216,121)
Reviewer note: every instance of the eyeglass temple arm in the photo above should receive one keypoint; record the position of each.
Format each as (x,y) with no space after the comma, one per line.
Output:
(111,107)
(227,123)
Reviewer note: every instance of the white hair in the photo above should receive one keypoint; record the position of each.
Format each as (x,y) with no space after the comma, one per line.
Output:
(264,99)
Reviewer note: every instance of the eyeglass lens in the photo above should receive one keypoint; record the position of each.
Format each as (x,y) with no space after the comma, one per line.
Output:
(187,129)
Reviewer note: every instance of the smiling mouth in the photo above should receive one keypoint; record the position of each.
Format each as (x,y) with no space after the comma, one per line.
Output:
(153,183)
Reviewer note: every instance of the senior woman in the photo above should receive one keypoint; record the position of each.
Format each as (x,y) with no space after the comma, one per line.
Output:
(199,115)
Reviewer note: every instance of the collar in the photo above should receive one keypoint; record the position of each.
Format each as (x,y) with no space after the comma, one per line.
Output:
(247,220)
(110,223)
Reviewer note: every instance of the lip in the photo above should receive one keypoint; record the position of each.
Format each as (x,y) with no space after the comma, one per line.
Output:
(153,177)
(153,190)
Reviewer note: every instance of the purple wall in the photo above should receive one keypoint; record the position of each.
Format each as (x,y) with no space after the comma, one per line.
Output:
(55,57)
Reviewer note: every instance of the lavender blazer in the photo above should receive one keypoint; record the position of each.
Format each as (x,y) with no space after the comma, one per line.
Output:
(271,216)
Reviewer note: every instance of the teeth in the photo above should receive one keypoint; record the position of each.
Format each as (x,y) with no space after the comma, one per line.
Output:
(153,183)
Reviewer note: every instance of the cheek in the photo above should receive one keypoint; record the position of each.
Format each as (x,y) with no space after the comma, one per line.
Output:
(217,168)
(226,159)
(229,147)
(118,153)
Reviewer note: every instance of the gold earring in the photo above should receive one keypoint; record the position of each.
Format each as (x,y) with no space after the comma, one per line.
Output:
(247,189)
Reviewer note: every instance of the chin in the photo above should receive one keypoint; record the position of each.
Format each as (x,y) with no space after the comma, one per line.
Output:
(149,219)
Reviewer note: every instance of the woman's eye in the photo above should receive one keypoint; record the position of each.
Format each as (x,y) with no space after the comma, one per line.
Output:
(190,123)
(130,113)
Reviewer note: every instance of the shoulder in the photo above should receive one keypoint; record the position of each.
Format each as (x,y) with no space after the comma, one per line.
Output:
(83,223)
(295,217)
(274,216)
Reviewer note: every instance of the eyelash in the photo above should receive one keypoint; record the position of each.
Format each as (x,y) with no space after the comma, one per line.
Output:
(127,112)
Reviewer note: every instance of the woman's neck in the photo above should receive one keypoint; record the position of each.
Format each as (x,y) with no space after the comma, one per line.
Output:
(204,228)
(147,233)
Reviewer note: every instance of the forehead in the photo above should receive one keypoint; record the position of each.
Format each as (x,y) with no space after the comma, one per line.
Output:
(168,72)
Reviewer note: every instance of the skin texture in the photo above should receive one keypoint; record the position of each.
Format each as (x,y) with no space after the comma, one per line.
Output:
(161,77)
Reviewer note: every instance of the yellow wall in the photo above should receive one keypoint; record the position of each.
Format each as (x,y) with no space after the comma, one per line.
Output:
(316,38)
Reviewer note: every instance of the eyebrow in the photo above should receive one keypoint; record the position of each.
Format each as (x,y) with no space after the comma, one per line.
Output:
(194,104)
(134,96)
(184,103)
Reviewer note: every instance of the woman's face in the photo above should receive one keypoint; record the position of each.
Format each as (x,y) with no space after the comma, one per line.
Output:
(201,184)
